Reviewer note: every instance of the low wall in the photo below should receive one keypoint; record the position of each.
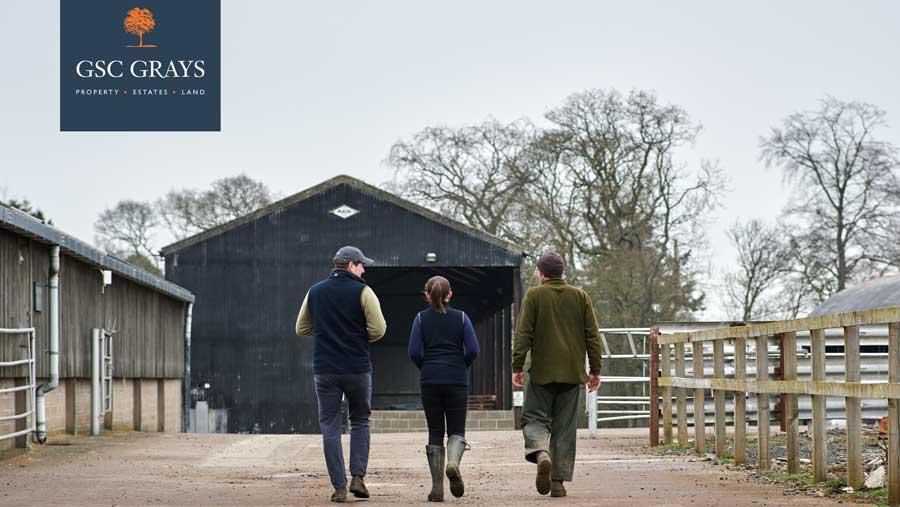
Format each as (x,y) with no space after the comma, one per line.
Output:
(138,404)
(399,421)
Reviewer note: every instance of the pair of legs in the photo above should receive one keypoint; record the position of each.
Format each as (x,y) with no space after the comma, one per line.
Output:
(445,411)
(549,425)
(330,390)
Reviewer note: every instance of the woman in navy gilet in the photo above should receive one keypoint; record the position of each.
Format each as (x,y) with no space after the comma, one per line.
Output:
(443,346)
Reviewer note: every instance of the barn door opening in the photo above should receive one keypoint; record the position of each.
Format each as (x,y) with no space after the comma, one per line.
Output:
(485,294)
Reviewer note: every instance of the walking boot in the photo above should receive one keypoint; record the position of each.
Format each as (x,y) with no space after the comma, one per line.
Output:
(542,479)
(339,495)
(456,446)
(435,454)
(358,487)
(557,489)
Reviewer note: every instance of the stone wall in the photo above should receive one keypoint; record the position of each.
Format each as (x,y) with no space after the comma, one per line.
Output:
(400,421)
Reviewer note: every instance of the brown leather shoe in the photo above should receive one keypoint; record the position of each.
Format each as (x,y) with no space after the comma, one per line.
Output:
(557,489)
(339,495)
(542,479)
(358,487)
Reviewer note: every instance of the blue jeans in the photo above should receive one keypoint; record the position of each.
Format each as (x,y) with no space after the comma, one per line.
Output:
(330,389)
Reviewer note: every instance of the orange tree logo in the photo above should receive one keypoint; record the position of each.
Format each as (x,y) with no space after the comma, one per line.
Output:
(138,22)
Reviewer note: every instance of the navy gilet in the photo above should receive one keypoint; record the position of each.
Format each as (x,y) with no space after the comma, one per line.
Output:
(442,347)
(340,336)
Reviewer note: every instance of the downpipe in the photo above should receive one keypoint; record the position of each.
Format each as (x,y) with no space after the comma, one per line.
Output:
(43,389)
(186,379)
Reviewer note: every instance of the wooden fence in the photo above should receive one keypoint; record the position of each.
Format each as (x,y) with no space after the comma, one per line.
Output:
(789,387)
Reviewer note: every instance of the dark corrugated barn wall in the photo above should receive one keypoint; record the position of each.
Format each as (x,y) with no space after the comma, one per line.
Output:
(249,280)
(149,342)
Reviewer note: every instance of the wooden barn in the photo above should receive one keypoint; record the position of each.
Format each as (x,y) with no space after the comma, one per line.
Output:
(250,373)
(59,296)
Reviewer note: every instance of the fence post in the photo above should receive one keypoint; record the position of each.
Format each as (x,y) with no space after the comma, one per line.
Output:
(654,389)
(789,401)
(666,351)
(893,461)
(779,374)
(699,409)
(680,397)
(854,417)
(740,403)
(762,404)
(820,441)
(719,395)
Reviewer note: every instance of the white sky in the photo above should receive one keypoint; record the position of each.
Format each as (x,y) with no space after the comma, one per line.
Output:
(316,89)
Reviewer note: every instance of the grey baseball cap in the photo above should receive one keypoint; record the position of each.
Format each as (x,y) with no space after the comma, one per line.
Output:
(347,254)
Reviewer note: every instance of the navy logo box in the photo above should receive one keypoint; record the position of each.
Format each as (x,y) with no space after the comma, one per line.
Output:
(145,65)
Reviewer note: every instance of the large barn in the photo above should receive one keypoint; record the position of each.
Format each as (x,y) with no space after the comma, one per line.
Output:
(250,373)
(60,291)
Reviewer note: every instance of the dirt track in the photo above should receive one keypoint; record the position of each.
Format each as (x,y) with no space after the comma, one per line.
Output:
(190,469)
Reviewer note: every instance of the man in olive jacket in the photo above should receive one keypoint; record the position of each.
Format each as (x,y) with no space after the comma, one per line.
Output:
(557,325)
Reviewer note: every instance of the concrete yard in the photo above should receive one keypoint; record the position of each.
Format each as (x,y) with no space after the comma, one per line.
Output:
(212,469)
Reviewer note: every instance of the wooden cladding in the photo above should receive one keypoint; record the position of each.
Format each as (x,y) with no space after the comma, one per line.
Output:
(149,325)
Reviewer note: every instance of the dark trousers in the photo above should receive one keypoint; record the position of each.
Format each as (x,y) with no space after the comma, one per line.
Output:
(330,390)
(444,402)
(549,424)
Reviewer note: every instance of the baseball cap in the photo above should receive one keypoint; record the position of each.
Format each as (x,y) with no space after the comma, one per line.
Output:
(551,264)
(347,254)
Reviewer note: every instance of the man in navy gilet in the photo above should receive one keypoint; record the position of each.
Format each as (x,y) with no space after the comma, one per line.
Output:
(343,316)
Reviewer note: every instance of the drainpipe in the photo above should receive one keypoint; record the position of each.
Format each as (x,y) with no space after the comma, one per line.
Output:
(186,381)
(96,381)
(43,389)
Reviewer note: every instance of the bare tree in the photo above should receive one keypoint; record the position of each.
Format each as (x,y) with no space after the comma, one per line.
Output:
(763,262)
(619,199)
(476,174)
(186,212)
(127,230)
(599,184)
(847,194)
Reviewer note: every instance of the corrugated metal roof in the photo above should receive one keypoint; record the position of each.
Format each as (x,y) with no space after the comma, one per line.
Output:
(875,293)
(26,225)
(334,182)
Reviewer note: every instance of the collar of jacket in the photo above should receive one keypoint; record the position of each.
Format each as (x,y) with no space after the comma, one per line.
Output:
(346,274)
(555,281)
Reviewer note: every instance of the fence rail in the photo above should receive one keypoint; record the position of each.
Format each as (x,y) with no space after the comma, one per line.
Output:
(25,420)
(851,388)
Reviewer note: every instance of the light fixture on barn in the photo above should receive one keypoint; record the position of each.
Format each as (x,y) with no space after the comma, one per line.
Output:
(431,257)
(106,274)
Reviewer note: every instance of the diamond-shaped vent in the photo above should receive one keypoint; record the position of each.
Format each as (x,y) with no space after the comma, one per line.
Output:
(344,211)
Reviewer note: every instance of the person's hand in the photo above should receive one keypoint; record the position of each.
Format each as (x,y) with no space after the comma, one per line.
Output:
(518,380)
(593,383)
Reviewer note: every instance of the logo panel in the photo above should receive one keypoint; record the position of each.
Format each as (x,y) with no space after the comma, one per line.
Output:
(140,65)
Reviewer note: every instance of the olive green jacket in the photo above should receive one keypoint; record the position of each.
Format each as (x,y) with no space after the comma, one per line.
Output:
(557,324)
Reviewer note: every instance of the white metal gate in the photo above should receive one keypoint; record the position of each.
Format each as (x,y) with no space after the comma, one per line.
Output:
(602,408)
(31,384)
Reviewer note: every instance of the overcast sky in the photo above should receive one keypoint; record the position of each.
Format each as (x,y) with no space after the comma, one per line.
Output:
(315,89)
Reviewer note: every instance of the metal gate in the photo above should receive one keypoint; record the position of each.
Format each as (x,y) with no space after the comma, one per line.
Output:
(29,388)
(601,408)
(101,379)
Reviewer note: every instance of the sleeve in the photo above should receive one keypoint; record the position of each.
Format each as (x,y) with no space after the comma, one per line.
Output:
(592,337)
(375,324)
(416,353)
(524,333)
(470,341)
(304,325)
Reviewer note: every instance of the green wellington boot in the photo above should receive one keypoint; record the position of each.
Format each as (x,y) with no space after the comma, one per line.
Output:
(435,454)
(456,446)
